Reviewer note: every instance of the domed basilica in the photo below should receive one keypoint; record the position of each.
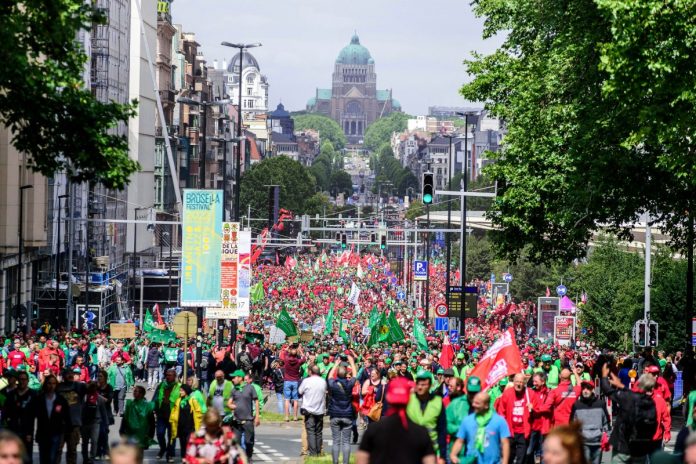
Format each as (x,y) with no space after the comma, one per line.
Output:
(353,100)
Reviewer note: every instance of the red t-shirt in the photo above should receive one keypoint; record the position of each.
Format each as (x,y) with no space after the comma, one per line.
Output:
(16,358)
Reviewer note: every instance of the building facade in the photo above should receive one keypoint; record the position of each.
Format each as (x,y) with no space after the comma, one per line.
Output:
(254,86)
(354,101)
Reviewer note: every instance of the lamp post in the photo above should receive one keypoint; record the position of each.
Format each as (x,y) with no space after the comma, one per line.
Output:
(204,105)
(462,248)
(60,197)
(238,161)
(21,242)
(449,218)
(224,170)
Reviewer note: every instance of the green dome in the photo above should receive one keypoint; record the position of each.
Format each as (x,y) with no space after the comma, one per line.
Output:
(395,103)
(354,53)
(311,102)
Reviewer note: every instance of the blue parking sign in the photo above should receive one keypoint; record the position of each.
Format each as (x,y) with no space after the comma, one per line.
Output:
(420,270)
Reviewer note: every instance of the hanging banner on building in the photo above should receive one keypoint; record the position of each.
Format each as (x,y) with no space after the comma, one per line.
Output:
(564,330)
(201,248)
(229,263)
(244,274)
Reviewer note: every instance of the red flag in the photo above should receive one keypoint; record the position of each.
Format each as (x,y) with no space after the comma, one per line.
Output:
(290,263)
(160,321)
(548,292)
(502,359)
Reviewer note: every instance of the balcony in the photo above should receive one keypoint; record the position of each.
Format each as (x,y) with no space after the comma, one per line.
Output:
(167,96)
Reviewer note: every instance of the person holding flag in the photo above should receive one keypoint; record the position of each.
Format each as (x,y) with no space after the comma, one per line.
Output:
(514,406)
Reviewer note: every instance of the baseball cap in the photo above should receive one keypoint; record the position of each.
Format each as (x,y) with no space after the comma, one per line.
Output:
(587,384)
(473,385)
(460,355)
(545,358)
(424,375)
(237,373)
(652,370)
(440,371)
(399,391)
(449,372)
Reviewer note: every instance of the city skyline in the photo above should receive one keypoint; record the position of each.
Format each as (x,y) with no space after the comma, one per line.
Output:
(302,39)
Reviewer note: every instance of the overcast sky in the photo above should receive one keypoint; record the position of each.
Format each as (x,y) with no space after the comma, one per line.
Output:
(418,46)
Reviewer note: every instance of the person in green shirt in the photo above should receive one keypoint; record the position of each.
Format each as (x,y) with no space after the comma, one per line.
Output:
(551,371)
(580,370)
(171,355)
(139,419)
(459,366)
(324,365)
(120,377)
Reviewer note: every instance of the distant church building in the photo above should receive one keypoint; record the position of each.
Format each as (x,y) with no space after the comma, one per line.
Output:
(353,100)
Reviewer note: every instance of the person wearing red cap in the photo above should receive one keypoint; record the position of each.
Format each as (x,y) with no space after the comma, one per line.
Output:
(396,438)
(661,385)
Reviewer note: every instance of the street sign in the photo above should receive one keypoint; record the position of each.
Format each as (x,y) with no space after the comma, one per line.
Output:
(561,290)
(400,295)
(420,313)
(184,324)
(492,278)
(454,336)
(507,277)
(441,310)
(420,270)
(441,324)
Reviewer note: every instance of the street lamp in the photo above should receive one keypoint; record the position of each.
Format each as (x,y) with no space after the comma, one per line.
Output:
(237,175)
(224,171)
(60,197)
(449,217)
(21,242)
(135,250)
(205,105)
(462,209)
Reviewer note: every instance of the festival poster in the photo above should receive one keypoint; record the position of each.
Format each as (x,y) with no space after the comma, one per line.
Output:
(564,330)
(244,273)
(229,263)
(201,248)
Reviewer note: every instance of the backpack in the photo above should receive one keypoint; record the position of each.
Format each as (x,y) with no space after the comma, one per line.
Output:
(245,361)
(642,420)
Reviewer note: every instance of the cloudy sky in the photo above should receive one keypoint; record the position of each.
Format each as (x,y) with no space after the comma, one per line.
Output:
(418,46)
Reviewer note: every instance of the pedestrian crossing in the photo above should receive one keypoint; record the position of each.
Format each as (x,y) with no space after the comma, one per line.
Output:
(265,453)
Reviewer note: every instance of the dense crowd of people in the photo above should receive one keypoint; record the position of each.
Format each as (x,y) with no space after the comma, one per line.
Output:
(401,401)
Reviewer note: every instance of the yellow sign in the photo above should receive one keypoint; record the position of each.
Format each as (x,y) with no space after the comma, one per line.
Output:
(184,324)
(122,330)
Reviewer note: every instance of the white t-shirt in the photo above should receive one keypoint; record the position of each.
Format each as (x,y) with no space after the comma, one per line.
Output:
(313,391)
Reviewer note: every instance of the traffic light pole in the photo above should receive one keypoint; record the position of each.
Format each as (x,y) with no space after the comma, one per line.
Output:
(427,259)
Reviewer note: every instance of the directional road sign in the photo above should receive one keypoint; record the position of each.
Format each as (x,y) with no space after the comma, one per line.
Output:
(400,295)
(420,270)
(507,277)
(441,324)
(561,290)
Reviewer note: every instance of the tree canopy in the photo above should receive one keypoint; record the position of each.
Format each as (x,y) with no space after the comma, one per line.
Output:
(328,129)
(598,101)
(380,131)
(296,185)
(53,118)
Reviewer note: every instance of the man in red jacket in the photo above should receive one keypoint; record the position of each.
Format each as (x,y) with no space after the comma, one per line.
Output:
(540,421)
(561,399)
(514,406)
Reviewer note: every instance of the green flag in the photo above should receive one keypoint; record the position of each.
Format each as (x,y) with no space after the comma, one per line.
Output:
(342,333)
(393,332)
(148,323)
(162,336)
(376,330)
(285,323)
(419,334)
(329,320)
(374,317)
(257,294)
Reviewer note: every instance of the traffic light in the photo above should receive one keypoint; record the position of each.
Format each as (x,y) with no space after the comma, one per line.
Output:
(383,242)
(344,241)
(640,333)
(652,334)
(428,188)
(338,237)
(373,237)
(34,310)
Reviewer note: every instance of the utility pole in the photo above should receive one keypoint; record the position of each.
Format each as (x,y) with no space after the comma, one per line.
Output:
(648,258)
(57,295)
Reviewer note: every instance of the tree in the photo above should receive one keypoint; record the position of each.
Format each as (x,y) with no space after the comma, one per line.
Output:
(415,208)
(328,129)
(319,203)
(380,131)
(341,182)
(296,185)
(53,118)
(589,88)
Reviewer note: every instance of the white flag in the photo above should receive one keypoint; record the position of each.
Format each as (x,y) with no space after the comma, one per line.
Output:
(354,294)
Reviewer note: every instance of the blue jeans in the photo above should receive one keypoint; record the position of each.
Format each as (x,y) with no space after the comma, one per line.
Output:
(48,449)
(164,438)
(290,390)
(593,453)
(536,440)
(341,429)
(279,397)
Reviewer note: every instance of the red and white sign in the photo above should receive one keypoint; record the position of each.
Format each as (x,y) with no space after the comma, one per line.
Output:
(564,329)
(420,313)
(441,310)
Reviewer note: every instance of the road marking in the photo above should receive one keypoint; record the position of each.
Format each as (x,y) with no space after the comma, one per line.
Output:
(261,457)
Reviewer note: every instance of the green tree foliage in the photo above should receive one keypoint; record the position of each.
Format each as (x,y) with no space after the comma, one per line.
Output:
(341,182)
(588,88)
(319,203)
(328,129)
(380,131)
(53,118)
(296,185)
(388,169)
(415,208)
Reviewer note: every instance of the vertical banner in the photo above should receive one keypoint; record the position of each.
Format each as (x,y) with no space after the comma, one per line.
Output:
(201,248)
(244,274)
(229,264)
